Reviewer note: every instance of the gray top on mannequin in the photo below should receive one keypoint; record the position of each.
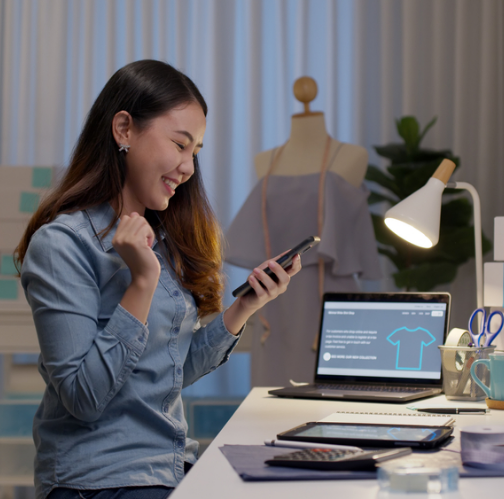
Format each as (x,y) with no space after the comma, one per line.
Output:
(303,152)
(286,209)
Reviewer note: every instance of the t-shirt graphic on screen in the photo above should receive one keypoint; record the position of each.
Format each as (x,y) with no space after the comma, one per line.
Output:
(401,434)
(410,344)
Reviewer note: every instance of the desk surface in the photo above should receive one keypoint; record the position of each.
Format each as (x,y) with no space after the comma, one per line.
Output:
(261,417)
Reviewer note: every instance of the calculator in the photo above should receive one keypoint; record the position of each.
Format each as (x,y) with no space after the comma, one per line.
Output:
(337,459)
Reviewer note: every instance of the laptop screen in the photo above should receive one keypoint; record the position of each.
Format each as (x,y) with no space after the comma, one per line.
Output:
(383,336)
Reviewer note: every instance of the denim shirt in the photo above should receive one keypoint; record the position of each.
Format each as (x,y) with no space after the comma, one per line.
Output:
(112,414)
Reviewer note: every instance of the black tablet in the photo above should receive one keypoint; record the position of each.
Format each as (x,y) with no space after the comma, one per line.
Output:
(369,435)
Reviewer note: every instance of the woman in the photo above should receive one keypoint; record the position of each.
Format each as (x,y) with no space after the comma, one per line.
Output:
(118,264)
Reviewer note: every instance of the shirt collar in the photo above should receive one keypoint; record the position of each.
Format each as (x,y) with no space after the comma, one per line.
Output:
(100,217)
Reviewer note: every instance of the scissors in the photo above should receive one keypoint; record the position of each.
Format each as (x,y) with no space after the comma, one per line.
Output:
(485,327)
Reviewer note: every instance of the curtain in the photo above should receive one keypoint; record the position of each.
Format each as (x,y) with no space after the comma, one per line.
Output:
(373,60)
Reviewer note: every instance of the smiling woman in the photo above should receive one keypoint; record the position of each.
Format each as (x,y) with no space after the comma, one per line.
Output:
(161,156)
(118,265)
(138,103)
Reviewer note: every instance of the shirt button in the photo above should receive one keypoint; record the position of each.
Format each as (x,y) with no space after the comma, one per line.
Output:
(179,371)
(176,329)
(176,293)
(180,444)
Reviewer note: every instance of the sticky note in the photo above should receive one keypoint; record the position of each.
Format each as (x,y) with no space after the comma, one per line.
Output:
(499,239)
(7,266)
(16,420)
(28,202)
(41,177)
(8,289)
(493,284)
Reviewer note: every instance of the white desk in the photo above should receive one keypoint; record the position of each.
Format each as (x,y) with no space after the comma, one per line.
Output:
(261,417)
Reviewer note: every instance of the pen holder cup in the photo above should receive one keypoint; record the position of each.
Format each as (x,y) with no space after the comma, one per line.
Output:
(458,383)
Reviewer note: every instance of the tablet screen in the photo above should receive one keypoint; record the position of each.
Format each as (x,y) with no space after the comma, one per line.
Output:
(370,432)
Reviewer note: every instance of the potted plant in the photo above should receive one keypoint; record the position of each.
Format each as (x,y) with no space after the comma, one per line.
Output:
(410,168)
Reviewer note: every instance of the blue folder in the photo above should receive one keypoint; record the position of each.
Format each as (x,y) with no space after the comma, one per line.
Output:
(248,462)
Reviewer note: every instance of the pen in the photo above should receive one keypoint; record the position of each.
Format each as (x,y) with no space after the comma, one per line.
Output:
(307,445)
(451,410)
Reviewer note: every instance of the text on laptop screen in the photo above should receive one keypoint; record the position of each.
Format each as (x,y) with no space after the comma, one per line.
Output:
(392,340)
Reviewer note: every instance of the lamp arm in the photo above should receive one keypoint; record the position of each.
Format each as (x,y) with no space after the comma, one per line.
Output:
(478,247)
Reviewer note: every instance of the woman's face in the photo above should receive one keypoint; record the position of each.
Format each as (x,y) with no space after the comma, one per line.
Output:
(161,156)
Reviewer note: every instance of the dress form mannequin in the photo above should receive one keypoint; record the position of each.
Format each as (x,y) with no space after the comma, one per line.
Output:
(303,153)
(312,185)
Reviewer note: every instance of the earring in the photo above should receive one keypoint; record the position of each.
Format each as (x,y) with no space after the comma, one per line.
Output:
(124,147)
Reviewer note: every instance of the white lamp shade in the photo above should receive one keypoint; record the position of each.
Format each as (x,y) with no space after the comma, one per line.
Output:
(416,218)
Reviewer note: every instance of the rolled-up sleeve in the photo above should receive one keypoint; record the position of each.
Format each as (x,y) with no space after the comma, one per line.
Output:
(86,362)
(211,346)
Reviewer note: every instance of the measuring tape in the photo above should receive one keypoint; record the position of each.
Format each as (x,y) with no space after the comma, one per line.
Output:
(454,360)
(458,338)
(483,446)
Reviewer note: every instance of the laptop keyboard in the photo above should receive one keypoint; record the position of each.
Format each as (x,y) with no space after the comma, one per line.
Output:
(370,388)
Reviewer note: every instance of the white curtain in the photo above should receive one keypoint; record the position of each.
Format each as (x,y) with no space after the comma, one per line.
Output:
(373,60)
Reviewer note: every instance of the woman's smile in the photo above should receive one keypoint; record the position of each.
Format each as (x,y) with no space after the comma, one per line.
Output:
(170,185)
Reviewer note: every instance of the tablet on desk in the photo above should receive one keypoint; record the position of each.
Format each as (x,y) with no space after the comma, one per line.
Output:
(369,435)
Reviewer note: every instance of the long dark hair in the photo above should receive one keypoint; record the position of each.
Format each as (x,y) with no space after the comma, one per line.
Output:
(145,89)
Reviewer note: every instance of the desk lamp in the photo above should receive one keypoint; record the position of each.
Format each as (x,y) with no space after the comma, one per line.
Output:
(416,218)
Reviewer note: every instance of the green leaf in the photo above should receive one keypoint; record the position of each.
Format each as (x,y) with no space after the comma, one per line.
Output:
(456,213)
(415,255)
(394,152)
(434,155)
(486,244)
(413,175)
(426,129)
(376,197)
(393,257)
(455,244)
(375,174)
(399,172)
(419,176)
(425,277)
(409,130)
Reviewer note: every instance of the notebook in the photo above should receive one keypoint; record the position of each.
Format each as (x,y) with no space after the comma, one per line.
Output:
(379,347)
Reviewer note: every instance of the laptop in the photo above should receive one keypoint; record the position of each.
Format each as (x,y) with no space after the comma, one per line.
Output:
(380,347)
